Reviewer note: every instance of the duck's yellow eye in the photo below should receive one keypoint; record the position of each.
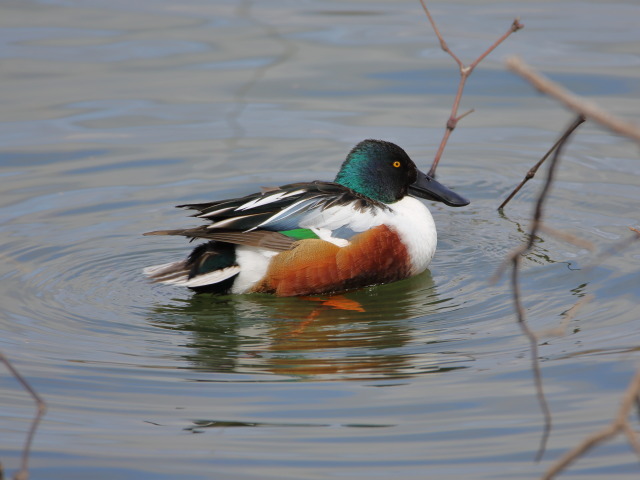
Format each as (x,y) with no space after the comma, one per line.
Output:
(396,164)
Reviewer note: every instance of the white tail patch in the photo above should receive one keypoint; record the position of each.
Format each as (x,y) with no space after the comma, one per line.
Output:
(157,270)
(211,277)
(175,273)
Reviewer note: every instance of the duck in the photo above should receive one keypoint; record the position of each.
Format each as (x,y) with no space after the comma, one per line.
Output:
(367,227)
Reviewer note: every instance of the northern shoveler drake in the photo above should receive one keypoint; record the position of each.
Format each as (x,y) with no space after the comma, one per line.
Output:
(363,228)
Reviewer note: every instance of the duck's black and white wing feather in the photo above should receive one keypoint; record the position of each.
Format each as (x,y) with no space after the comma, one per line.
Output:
(257,219)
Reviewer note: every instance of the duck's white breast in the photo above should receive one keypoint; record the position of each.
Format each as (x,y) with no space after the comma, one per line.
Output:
(409,217)
(414,223)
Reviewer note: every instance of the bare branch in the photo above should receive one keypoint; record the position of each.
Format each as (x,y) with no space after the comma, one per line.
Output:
(542,197)
(443,44)
(615,248)
(631,437)
(589,111)
(578,104)
(532,171)
(533,348)
(618,425)
(514,258)
(465,71)
(531,336)
(23,473)
(515,26)
(568,316)
(567,237)
(468,112)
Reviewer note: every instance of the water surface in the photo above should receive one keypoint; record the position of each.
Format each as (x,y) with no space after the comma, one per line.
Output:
(115,111)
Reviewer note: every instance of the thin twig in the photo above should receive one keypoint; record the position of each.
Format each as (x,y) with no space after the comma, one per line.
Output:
(464,74)
(614,249)
(515,26)
(587,109)
(631,437)
(443,44)
(568,316)
(568,237)
(535,225)
(533,348)
(618,425)
(532,171)
(542,197)
(23,474)
(631,397)
(514,259)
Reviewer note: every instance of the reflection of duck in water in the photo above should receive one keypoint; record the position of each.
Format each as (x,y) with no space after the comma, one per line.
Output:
(370,333)
(309,238)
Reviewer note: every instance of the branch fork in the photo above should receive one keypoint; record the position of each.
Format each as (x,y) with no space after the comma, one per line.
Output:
(465,71)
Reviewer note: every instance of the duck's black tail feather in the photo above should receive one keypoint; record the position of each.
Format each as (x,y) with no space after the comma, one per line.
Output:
(211,267)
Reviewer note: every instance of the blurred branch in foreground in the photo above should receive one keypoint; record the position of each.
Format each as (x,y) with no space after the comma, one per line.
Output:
(615,248)
(590,111)
(465,71)
(587,109)
(23,473)
(514,259)
(620,424)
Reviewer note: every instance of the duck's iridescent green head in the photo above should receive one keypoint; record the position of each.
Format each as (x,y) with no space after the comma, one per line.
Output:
(383,171)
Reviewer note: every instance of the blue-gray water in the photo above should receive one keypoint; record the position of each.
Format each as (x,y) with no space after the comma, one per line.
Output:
(113,112)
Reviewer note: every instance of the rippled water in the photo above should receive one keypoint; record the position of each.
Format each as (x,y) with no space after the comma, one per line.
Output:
(115,111)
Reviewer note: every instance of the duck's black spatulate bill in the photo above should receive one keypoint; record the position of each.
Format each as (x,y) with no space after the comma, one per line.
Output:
(427,187)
